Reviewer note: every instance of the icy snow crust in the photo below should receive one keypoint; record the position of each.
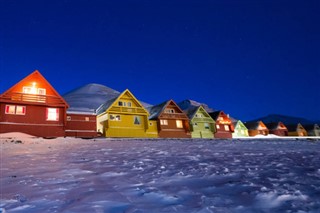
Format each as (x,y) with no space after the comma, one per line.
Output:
(136,176)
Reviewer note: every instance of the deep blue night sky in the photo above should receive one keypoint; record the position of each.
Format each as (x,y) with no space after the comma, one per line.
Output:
(249,58)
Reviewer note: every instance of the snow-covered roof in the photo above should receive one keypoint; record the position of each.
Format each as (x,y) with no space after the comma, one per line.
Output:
(156,110)
(185,104)
(90,97)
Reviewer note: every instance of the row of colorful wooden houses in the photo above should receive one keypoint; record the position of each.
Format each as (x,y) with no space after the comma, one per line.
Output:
(34,107)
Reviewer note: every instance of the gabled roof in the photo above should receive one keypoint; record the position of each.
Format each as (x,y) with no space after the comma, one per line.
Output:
(37,77)
(274,125)
(105,106)
(294,127)
(311,127)
(191,111)
(238,123)
(215,115)
(254,125)
(156,110)
(185,104)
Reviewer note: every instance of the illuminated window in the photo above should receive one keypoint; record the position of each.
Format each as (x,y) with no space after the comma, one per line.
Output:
(68,118)
(52,114)
(179,123)
(20,110)
(137,120)
(226,127)
(218,126)
(86,119)
(164,122)
(10,109)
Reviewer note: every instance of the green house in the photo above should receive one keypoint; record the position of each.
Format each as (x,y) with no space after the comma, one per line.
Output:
(240,130)
(201,123)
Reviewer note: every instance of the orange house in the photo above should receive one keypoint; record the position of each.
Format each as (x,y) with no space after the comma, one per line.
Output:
(34,107)
(257,128)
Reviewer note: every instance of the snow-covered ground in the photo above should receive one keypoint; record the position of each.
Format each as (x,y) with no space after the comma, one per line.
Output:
(150,176)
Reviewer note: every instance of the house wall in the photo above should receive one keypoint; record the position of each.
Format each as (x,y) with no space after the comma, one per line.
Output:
(152,131)
(33,122)
(172,131)
(81,125)
(201,130)
(279,132)
(258,132)
(314,132)
(240,132)
(125,127)
(223,131)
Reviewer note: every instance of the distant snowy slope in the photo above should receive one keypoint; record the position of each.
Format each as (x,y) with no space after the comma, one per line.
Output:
(273,118)
(89,97)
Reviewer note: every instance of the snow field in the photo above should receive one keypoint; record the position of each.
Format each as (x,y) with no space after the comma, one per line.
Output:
(135,176)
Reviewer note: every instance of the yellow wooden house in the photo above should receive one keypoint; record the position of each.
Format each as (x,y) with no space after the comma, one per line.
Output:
(125,116)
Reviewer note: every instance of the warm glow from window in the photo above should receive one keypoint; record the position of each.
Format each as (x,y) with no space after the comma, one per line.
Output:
(52,114)
(179,124)
(10,109)
(164,122)
(226,127)
(20,110)
(34,90)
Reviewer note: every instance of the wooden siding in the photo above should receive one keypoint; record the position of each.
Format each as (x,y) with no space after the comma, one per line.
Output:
(33,122)
(172,114)
(81,125)
(126,117)
(202,125)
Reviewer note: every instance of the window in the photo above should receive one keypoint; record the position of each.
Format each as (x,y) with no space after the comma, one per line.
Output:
(15,110)
(218,126)
(150,124)
(137,120)
(10,109)
(226,127)
(206,126)
(52,114)
(179,123)
(86,119)
(68,118)
(41,91)
(20,110)
(164,122)
(169,111)
(195,124)
(120,103)
(129,104)
(115,117)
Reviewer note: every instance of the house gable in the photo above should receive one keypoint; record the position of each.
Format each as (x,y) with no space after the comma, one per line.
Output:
(34,89)
(126,102)
(172,110)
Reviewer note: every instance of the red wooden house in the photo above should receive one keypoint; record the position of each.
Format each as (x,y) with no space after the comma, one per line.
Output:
(277,129)
(34,107)
(224,125)
(172,122)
